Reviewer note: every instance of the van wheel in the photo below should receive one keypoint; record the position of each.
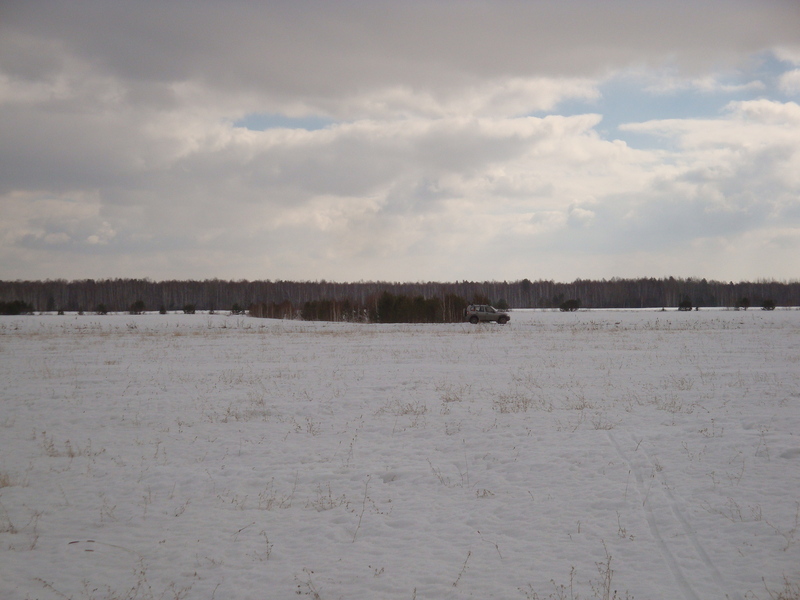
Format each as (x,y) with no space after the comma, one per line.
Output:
(474,320)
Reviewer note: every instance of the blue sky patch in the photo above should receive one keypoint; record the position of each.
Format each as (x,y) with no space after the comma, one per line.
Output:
(264,121)
(632,98)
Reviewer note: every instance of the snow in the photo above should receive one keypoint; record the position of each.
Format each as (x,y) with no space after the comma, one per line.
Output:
(563,455)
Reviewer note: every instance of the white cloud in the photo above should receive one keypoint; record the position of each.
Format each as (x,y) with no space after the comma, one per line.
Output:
(580,217)
(790,53)
(750,124)
(103,235)
(790,82)
(372,194)
(709,84)
(766,112)
(514,96)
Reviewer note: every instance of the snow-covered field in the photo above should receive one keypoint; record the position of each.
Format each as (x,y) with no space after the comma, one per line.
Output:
(565,455)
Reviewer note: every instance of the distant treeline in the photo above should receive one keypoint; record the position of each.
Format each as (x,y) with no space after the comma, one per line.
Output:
(382,308)
(15,307)
(214,294)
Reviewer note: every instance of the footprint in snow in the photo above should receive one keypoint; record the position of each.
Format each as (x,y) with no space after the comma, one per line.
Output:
(791,453)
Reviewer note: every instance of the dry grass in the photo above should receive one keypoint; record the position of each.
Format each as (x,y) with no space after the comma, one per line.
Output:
(602,586)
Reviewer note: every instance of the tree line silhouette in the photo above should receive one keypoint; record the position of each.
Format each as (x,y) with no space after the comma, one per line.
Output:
(282,298)
(380,308)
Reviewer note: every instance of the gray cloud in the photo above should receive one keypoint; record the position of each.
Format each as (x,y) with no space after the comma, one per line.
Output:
(319,49)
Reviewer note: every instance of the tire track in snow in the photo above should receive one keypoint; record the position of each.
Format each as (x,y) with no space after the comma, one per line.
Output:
(692,537)
(677,573)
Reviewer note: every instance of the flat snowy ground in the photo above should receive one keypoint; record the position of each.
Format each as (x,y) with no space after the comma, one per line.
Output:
(565,455)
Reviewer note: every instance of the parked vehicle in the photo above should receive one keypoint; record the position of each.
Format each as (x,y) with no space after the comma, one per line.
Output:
(476,313)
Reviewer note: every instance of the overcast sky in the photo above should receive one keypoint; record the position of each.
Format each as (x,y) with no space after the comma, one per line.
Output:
(401,141)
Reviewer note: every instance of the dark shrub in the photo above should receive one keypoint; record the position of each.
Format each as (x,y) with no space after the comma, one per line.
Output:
(15,307)
(406,309)
(685,304)
(329,310)
(137,307)
(768,304)
(569,306)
